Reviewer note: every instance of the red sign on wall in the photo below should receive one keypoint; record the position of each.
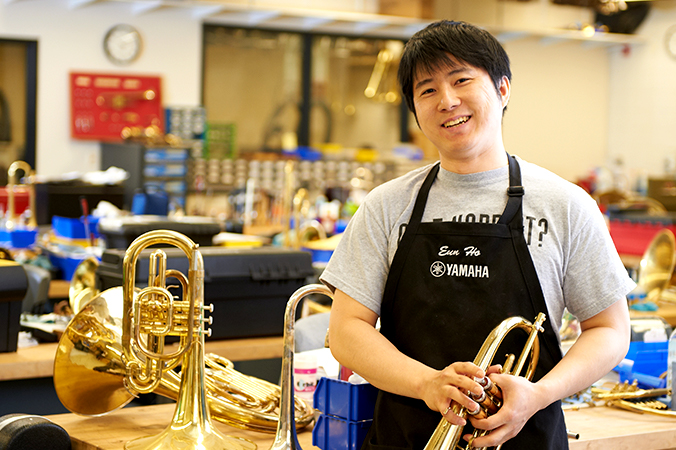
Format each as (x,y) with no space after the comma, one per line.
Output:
(103,105)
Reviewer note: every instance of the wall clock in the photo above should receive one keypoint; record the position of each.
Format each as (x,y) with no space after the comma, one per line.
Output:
(122,44)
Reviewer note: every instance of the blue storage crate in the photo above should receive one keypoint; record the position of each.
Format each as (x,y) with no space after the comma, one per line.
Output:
(349,401)
(645,362)
(18,238)
(334,433)
(74,228)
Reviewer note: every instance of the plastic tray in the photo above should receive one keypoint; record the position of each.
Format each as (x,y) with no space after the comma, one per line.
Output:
(354,402)
(334,433)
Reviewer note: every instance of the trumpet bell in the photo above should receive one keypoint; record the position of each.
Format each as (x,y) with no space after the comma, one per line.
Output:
(88,368)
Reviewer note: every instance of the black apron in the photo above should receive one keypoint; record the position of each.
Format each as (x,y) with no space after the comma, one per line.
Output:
(449,285)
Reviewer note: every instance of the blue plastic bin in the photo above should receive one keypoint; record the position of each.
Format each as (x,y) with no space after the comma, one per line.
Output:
(348,401)
(74,228)
(334,433)
(645,362)
(18,238)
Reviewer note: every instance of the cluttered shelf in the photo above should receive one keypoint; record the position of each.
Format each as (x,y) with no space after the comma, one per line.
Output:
(38,361)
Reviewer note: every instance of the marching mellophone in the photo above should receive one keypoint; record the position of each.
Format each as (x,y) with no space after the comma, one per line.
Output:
(113,350)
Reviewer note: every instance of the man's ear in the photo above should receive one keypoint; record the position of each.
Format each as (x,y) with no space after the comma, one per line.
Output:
(505,90)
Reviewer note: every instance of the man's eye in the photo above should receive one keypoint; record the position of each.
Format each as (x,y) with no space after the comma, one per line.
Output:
(427,91)
(461,80)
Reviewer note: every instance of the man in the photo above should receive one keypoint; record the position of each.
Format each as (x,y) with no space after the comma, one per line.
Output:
(445,253)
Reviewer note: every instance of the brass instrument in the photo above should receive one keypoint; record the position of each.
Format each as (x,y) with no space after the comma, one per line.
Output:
(12,183)
(631,398)
(286,438)
(656,269)
(103,347)
(447,436)
(82,288)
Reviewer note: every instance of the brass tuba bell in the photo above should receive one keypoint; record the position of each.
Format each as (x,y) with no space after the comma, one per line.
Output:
(447,436)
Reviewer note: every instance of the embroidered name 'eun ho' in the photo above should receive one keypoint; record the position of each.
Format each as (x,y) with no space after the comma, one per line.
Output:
(439,269)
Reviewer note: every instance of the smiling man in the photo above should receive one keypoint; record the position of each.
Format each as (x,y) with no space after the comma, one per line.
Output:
(446,252)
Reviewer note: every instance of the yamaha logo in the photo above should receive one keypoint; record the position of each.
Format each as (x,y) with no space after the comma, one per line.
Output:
(438,269)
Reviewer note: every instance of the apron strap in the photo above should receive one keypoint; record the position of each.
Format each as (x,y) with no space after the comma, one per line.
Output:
(514,218)
(515,193)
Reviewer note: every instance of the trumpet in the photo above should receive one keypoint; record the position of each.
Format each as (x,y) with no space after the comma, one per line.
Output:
(447,436)
(286,438)
(90,365)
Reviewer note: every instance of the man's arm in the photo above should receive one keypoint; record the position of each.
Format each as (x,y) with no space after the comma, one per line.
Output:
(356,344)
(602,344)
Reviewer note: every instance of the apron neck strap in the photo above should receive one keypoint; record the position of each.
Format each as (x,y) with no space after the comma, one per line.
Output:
(515,192)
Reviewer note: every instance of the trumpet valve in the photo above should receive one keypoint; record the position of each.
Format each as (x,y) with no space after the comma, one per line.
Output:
(490,387)
(487,402)
(478,413)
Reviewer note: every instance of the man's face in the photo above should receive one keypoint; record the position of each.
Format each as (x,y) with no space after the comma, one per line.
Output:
(460,111)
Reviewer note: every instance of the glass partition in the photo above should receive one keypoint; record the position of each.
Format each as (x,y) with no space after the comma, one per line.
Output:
(355,96)
(252,89)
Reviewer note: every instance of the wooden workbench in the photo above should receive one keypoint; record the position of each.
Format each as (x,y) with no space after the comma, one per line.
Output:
(600,428)
(605,428)
(113,430)
(38,361)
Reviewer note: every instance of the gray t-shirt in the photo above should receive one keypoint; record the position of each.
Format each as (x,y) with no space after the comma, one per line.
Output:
(573,253)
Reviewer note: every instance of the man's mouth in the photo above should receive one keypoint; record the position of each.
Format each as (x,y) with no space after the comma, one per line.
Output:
(456,122)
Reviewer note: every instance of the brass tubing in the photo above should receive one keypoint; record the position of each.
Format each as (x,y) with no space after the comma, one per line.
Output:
(447,436)
(12,183)
(286,438)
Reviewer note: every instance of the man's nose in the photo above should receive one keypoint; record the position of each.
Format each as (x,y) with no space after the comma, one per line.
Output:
(448,99)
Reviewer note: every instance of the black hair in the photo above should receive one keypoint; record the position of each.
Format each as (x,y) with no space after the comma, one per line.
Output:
(441,42)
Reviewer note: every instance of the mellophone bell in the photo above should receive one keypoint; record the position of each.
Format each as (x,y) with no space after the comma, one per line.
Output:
(114,349)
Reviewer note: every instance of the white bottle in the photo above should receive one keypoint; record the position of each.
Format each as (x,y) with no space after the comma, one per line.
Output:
(305,375)
(671,368)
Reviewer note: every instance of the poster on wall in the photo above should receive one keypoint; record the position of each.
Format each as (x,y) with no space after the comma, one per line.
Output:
(103,105)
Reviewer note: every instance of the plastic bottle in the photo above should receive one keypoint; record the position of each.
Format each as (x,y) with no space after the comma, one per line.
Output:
(305,375)
(671,367)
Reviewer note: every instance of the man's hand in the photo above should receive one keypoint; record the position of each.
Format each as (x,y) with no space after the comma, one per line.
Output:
(521,400)
(451,386)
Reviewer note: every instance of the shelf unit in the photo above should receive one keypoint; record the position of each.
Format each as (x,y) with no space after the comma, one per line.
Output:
(162,167)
